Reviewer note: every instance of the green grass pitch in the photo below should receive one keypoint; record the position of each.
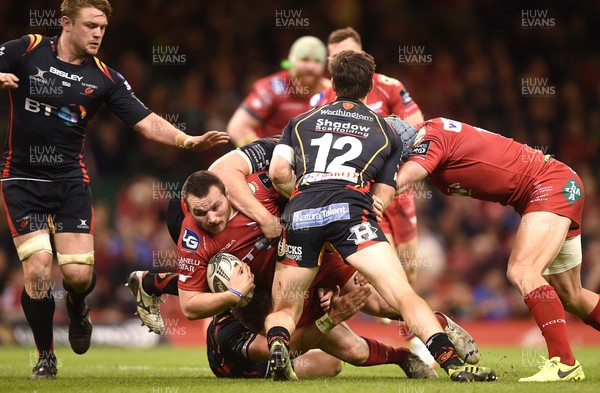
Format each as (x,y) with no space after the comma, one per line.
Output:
(174,370)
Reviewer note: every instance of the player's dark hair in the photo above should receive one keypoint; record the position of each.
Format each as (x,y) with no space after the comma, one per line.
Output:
(343,34)
(352,74)
(70,8)
(199,184)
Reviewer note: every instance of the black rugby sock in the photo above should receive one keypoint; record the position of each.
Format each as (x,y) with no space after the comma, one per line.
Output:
(39,314)
(76,300)
(443,351)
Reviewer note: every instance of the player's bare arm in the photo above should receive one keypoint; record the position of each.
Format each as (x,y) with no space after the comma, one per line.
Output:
(198,305)
(409,173)
(233,169)
(158,129)
(8,81)
(241,127)
(281,170)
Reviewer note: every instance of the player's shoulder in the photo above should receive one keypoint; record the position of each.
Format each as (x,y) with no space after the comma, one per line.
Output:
(110,74)
(274,83)
(323,97)
(386,81)
(193,240)
(29,43)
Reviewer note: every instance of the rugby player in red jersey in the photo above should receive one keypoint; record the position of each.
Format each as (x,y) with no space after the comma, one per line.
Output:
(250,196)
(275,99)
(545,263)
(55,87)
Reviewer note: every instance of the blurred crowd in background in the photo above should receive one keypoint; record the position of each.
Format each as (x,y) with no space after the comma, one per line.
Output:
(481,59)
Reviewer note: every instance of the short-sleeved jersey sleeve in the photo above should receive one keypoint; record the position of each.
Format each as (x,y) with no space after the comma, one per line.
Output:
(12,51)
(326,96)
(193,250)
(429,147)
(258,153)
(387,174)
(122,101)
(259,102)
(400,102)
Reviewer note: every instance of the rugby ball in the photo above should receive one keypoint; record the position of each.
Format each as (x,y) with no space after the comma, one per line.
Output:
(219,270)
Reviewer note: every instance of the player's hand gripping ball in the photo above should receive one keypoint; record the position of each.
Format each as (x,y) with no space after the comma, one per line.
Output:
(220,268)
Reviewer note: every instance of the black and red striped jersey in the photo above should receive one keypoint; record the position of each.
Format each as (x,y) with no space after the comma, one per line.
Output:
(52,107)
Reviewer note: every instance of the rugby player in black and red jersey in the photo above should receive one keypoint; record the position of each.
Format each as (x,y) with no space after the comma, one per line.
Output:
(345,156)
(55,86)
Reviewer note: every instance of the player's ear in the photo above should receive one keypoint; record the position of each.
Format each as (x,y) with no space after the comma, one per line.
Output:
(67,23)
(370,88)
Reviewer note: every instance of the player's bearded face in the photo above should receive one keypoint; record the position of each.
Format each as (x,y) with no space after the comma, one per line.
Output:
(87,30)
(309,71)
(210,212)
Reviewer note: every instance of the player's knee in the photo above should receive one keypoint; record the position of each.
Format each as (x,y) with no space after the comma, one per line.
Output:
(78,276)
(334,368)
(516,275)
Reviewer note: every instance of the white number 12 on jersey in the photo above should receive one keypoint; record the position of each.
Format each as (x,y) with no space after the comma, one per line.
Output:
(337,164)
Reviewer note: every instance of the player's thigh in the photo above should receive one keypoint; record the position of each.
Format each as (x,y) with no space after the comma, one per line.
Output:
(407,253)
(538,240)
(290,286)
(316,363)
(379,264)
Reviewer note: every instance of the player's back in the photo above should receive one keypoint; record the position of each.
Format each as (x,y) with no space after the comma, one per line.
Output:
(339,144)
(475,162)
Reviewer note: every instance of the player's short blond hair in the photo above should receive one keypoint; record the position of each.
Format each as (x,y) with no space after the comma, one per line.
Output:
(71,8)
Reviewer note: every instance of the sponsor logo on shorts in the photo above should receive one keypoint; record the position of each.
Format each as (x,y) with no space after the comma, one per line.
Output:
(362,232)
(290,252)
(311,218)
(572,191)
(190,240)
(421,149)
(83,224)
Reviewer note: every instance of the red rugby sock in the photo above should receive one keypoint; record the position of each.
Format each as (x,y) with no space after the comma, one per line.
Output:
(383,354)
(548,312)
